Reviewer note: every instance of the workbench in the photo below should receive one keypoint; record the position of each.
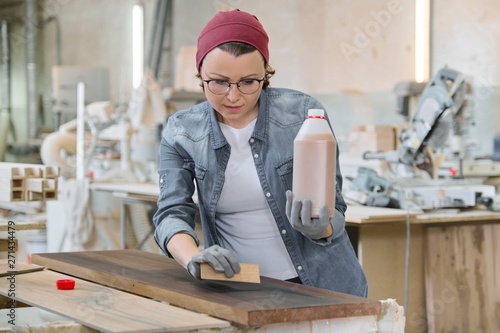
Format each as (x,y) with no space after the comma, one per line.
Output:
(138,291)
(437,241)
(127,194)
(453,265)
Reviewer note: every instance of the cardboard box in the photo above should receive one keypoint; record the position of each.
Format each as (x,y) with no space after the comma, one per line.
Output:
(371,138)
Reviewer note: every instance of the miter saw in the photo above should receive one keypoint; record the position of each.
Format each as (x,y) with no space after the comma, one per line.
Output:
(413,177)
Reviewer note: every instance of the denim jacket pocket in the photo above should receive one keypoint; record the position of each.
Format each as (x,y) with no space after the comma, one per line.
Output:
(285,171)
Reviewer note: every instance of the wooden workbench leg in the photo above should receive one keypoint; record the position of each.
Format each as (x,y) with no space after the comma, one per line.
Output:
(381,252)
(462,271)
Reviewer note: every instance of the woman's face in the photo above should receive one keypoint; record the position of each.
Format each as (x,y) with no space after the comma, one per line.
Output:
(234,108)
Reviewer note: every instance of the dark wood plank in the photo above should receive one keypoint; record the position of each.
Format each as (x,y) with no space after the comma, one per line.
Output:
(159,277)
(12,268)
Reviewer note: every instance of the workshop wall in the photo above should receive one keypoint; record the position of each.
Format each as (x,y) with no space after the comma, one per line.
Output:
(466,36)
(324,46)
(348,54)
(94,33)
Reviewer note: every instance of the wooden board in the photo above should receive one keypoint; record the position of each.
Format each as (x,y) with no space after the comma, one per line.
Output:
(30,182)
(133,188)
(27,170)
(462,278)
(102,308)
(465,216)
(155,275)
(6,269)
(248,273)
(21,225)
(366,214)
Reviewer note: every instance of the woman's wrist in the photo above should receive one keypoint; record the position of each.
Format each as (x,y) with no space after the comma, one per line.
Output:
(328,231)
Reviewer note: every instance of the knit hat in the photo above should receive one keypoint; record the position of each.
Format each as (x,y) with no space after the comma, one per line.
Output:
(232,26)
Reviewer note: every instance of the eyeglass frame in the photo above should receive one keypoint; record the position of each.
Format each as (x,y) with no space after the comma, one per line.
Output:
(229,83)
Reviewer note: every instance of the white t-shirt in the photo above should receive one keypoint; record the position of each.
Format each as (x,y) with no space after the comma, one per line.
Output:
(243,218)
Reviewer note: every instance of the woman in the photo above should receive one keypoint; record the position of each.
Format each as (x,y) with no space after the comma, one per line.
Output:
(236,151)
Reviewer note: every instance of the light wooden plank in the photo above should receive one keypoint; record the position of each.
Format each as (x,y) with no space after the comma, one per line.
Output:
(30,170)
(8,245)
(25,207)
(9,184)
(11,172)
(250,304)
(21,225)
(135,197)
(137,188)
(40,184)
(104,309)
(366,214)
(50,172)
(11,196)
(8,268)
(462,274)
(248,273)
(37,196)
(466,216)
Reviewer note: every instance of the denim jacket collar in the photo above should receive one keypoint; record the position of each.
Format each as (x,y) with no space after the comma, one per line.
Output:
(261,126)
(218,139)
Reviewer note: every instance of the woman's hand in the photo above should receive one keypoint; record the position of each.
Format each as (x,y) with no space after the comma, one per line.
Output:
(220,259)
(299,215)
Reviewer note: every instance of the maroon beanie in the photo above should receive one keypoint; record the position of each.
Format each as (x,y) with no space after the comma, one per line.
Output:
(232,26)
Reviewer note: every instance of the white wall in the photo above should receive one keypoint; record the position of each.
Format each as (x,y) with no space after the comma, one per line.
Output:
(349,54)
(466,36)
(323,46)
(94,33)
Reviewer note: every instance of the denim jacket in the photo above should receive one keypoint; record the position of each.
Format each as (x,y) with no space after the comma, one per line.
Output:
(193,157)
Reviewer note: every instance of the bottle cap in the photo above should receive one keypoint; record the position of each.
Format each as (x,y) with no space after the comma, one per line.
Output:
(65,284)
(316,113)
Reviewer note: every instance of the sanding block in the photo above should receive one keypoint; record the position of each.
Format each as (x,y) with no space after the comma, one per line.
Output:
(248,273)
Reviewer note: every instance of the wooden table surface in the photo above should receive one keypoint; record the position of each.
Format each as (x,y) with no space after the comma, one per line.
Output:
(102,308)
(147,189)
(359,215)
(355,214)
(250,304)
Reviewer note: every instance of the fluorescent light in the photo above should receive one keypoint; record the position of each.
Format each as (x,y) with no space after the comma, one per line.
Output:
(422,41)
(137,45)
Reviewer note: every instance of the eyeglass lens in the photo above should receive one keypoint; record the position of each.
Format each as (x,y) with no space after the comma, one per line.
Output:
(244,86)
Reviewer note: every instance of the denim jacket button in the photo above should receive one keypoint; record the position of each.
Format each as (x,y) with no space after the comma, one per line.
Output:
(256,155)
(268,194)
(299,268)
(283,231)
(252,140)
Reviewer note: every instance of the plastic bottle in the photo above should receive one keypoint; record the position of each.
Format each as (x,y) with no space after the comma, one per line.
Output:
(314,163)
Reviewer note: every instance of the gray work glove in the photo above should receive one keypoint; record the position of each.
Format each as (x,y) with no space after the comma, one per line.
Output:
(220,259)
(299,215)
